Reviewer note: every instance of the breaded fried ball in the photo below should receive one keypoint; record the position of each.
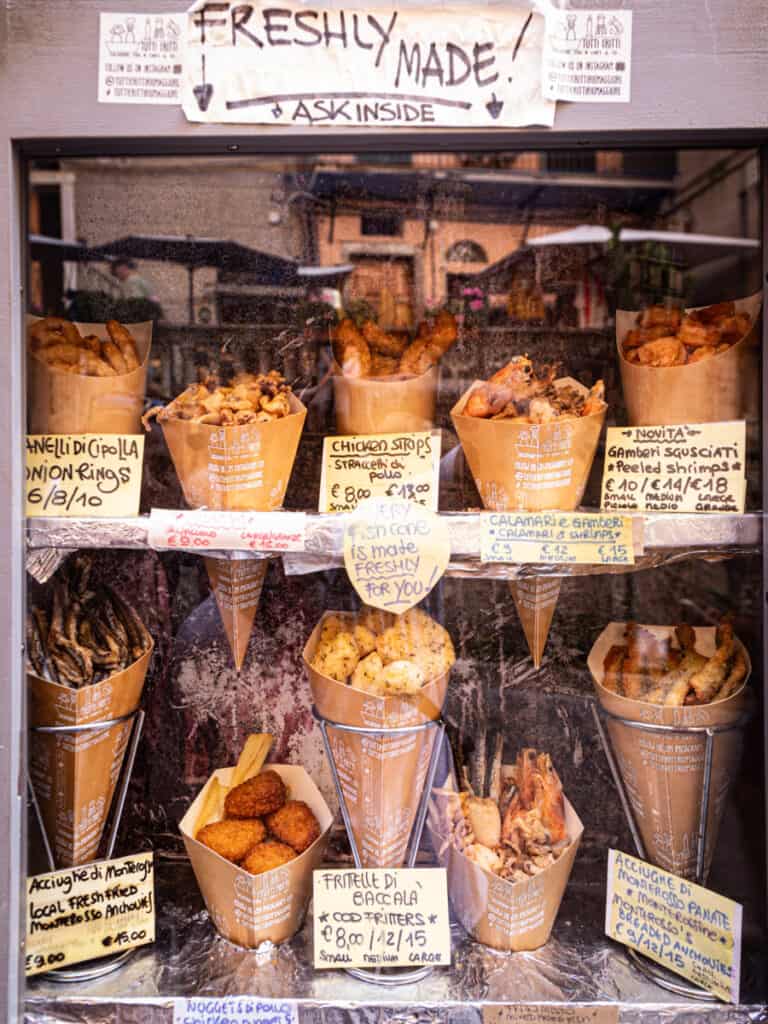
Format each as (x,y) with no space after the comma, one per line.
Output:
(266,856)
(294,824)
(232,839)
(256,797)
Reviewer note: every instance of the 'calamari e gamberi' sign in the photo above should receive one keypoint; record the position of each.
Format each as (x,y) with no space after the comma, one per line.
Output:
(291,64)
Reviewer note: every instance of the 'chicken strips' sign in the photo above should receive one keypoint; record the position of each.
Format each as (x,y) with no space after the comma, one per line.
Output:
(307,66)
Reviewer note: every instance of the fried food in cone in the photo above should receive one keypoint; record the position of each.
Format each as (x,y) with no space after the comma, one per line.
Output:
(250,398)
(59,344)
(667,337)
(355,351)
(515,392)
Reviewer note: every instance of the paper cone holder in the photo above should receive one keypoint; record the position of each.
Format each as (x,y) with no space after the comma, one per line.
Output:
(104,965)
(392,976)
(651,970)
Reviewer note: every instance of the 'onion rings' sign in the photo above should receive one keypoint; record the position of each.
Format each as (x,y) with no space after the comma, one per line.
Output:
(304,65)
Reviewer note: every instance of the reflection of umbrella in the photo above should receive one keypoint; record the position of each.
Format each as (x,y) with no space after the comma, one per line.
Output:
(43,247)
(194,252)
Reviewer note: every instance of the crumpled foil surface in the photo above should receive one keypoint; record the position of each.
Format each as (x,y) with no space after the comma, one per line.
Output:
(189,959)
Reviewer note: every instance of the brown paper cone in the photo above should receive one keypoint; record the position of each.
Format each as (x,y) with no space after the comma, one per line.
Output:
(385,405)
(251,909)
(506,915)
(725,387)
(536,599)
(71,403)
(237,584)
(664,774)
(243,469)
(382,777)
(75,774)
(529,467)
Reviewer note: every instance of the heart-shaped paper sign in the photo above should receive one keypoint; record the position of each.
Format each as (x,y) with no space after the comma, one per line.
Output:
(395,551)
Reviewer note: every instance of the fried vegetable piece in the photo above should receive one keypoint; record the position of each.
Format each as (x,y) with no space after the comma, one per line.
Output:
(260,795)
(709,679)
(294,824)
(366,675)
(612,668)
(266,856)
(350,350)
(735,677)
(232,838)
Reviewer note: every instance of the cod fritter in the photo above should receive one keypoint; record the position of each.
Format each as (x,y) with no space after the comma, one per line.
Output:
(232,838)
(255,797)
(266,856)
(294,824)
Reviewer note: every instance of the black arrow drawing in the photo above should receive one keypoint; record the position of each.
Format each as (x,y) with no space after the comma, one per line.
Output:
(494,106)
(204,91)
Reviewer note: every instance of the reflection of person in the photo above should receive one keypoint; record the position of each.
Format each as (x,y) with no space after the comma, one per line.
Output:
(132,285)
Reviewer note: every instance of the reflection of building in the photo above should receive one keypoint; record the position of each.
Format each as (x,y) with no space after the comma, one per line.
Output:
(420,226)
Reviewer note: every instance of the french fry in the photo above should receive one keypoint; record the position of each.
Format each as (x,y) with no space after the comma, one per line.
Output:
(213,805)
(252,757)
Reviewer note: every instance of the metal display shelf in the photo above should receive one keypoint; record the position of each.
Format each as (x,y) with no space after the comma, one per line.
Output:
(578,966)
(666,537)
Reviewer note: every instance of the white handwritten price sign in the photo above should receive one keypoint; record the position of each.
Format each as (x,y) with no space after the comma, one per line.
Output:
(86,912)
(227,531)
(84,474)
(297,65)
(682,926)
(235,1010)
(550,1013)
(395,552)
(698,467)
(357,467)
(383,917)
(585,538)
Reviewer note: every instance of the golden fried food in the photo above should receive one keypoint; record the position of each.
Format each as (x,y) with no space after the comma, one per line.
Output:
(649,668)
(484,819)
(380,341)
(350,350)
(58,343)
(256,797)
(384,366)
(232,838)
(249,398)
(666,337)
(381,653)
(515,393)
(430,345)
(266,856)
(294,824)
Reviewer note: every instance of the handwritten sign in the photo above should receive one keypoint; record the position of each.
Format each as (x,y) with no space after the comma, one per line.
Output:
(688,468)
(381,917)
(550,1013)
(682,926)
(585,538)
(140,57)
(357,467)
(84,474)
(227,531)
(588,56)
(86,912)
(235,1010)
(395,552)
(298,65)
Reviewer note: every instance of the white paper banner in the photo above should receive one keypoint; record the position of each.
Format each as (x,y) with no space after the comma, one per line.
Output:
(304,65)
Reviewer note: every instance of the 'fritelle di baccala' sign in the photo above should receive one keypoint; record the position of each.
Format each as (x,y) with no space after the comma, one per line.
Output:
(305,65)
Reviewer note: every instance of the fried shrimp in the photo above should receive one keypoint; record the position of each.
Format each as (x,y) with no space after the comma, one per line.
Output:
(294,824)
(256,797)
(266,856)
(232,838)
(666,337)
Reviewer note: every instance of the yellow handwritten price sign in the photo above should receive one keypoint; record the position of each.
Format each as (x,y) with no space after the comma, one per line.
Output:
(697,467)
(585,538)
(395,552)
(86,912)
(550,1013)
(356,467)
(84,474)
(383,917)
(682,926)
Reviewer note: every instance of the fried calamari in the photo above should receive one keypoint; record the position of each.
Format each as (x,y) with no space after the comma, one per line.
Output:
(250,398)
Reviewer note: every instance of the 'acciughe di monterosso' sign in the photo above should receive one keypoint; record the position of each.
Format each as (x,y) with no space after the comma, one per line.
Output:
(309,66)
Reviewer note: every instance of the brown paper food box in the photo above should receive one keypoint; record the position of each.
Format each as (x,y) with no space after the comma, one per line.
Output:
(664,775)
(385,405)
(71,403)
(535,598)
(725,387)
(75,774)
(237,585)
(251,909)
(511,916)
(529,467)
(382,777)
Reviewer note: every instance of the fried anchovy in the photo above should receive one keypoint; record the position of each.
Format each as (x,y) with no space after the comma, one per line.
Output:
(35,646)
(138,634)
